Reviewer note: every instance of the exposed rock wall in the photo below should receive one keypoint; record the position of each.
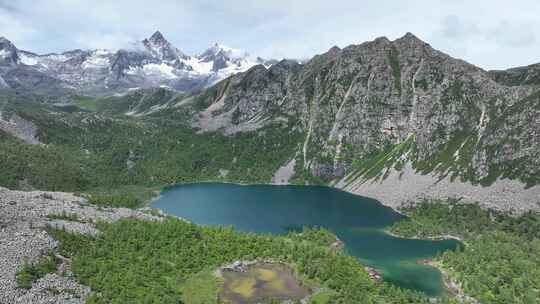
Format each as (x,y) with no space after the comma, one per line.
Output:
(358,102)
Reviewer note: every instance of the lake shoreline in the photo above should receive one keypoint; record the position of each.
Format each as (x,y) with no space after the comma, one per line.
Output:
(234,204)
(429,238)
(378,195)
(158,193)
(453,287)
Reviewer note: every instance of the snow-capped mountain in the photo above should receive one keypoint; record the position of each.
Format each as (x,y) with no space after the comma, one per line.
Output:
(152,62)
(8,53)
(162,49)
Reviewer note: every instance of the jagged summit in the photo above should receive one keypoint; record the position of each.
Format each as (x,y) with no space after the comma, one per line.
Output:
(381,40)
(409,39)
(334,49)
(8,53)
(215,48)
(211,53)
(4,39)
(160,47)
(157,37)
(6,44)
(284,64)
(410,36)
(224,57)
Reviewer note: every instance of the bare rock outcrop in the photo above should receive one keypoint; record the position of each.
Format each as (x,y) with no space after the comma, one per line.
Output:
(21,128)
(23,217)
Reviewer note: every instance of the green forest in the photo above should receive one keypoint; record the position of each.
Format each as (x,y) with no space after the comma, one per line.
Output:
(135,261)
(110,155)
(500,262)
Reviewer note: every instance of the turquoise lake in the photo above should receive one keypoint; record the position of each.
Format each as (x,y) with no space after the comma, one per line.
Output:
(356,220)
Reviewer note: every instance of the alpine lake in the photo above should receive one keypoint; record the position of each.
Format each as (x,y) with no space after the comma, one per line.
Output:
(358,222)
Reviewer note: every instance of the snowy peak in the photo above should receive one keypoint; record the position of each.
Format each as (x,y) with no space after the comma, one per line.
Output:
(218,50)
(152,62)
(210,53)
(8,53)
(157,38)
(159,47)
(223,57)
(5,44)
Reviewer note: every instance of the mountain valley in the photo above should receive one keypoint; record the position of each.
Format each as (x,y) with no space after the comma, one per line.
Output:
(89,137)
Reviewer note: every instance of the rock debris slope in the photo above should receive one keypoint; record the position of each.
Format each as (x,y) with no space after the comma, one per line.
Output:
(23,217)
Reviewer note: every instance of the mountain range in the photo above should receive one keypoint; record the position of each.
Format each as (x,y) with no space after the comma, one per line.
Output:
(152,62)
(392,120)
(382,114)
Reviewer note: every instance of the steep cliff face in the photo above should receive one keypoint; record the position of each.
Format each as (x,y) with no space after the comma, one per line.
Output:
(375,106)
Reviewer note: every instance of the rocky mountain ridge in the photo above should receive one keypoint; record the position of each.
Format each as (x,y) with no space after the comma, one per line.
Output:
(152,62)
(370,108)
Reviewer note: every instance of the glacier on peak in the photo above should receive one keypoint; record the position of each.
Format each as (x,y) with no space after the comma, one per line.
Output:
(150,62)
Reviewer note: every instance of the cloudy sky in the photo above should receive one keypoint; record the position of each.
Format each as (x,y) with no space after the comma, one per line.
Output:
(489,33)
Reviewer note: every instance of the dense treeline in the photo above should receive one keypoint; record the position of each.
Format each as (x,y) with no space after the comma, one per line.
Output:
(500,263)
(88,152)
(467,220)
(49,168)
(135,261)
(316,235)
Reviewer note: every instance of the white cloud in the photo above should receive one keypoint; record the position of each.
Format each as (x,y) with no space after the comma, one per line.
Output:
(489,33)
(514,34)
(14,28)
(455,28)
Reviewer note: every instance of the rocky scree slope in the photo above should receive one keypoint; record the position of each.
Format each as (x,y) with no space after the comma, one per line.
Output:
(370,109)
(152,62)
(23,238)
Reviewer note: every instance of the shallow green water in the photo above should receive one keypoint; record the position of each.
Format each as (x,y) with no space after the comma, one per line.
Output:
(356,220)
(261,282)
